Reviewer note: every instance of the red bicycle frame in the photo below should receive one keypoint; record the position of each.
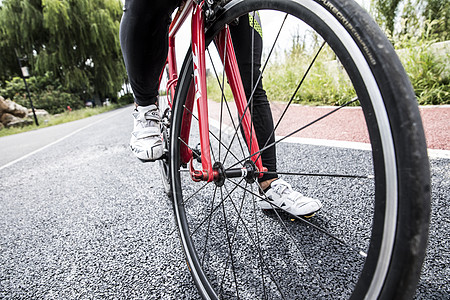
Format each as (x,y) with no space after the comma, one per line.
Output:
(197,92)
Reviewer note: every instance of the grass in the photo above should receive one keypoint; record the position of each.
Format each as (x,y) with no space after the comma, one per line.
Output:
(65,117)
(327,83)
(428,71)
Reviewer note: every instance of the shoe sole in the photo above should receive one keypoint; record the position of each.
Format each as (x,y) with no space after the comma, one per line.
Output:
(307,216)
(138,154)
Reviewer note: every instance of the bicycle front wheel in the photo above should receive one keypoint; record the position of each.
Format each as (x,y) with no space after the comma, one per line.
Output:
(368,241)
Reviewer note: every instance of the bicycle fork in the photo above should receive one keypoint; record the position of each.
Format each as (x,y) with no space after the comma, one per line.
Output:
(198,94)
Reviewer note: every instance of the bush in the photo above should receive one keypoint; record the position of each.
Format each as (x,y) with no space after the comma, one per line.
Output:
(54,102)
(428,71)
(327,82)
(46,93)
(13,88)
(57,102)
(126,99)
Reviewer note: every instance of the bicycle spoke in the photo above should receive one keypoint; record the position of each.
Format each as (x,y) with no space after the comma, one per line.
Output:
(305,259)
(342,242)
(222,88)
(234,233)
(258,249)
(259,243)
(181,140)
(232,239)
(195,193)
(293,95)
(259,79)
(212,134)
(209,226)
(293,132)
(190,148)
(210,146)
(215,208)
(229,245)
(319,175)
(223,91)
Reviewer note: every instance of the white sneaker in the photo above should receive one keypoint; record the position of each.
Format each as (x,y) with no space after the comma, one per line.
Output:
(282,196)
(146,142)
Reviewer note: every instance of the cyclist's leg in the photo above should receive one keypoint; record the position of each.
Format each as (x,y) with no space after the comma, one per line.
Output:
(144,41)
(242,35)
(247,41)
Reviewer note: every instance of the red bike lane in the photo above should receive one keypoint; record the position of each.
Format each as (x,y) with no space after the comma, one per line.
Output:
(347,124)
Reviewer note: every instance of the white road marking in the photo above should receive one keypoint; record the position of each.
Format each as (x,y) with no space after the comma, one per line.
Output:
(57,141)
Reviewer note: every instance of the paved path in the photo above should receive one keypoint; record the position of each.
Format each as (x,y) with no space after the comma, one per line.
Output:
(82,218)
(348,123)
(19,146)
(435,119)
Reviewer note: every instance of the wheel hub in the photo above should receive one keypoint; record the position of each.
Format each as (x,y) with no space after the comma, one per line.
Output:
(249,172)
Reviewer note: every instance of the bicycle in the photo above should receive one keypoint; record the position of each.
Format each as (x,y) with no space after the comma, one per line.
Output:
(234,249)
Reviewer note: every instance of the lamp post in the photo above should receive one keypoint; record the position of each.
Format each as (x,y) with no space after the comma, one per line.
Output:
(25,74)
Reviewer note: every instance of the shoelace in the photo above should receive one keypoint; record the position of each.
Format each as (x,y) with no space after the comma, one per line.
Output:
(286,188)
(283,188)
(149,119)
(151,115)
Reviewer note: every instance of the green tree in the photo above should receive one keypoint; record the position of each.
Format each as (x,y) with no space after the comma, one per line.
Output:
(7,62)
(76,40)
(20,28)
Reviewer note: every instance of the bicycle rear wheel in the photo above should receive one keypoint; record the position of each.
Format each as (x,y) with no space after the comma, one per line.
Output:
(166,112)
(369,239)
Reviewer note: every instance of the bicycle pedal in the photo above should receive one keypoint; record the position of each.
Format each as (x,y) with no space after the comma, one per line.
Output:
(164,156)
(147,160)
(309,216)
(197,153)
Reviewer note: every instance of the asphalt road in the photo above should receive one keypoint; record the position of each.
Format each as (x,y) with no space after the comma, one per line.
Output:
(82,218)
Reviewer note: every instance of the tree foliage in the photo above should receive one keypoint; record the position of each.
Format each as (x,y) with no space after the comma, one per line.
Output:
(398,17)
(76,40)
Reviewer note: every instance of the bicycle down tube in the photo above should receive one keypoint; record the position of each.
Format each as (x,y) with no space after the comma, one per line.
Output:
(198,93)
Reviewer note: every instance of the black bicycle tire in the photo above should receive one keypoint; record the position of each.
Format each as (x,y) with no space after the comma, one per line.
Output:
(163,163)
(408,143)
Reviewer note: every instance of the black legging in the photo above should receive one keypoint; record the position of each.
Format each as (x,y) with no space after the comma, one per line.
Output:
(144,40)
